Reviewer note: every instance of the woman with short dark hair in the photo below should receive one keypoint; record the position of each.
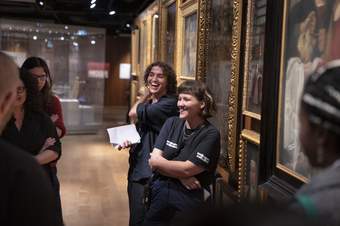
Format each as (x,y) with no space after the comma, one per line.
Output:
(320,139)
(185,156)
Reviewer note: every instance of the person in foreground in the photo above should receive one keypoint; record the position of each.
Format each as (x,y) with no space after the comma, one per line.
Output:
(149,113)
(320,140)
(26,196)
(184,158)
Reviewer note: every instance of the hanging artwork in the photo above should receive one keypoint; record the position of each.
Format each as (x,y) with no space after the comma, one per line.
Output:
(189,46)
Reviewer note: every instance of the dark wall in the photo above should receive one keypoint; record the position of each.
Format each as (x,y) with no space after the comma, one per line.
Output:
(118,50)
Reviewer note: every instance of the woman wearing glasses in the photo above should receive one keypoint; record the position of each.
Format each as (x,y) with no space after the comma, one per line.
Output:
(30,128)
(51,105)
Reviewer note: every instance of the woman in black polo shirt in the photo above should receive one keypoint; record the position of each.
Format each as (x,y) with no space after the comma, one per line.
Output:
(185,156)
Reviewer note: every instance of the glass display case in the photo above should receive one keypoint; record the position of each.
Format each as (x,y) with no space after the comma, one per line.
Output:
(76,59)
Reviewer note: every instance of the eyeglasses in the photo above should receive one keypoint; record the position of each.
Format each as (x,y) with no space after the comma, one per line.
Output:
(40,77)
(21,89)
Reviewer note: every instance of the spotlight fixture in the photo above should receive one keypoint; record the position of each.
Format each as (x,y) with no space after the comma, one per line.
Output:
(35,37)
(66,27)
(93,42)
(112,12)
(127,25)
(41,3)
(62,38)
(93,1)
(75,44)
(93,5)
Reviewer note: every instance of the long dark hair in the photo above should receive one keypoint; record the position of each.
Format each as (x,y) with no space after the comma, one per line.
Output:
(46,91)
(169,74)
(33,100)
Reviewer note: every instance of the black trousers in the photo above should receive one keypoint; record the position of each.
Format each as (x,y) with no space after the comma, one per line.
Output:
(136,205)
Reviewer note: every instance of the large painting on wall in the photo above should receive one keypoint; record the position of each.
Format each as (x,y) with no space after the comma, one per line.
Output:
(255,39)
(311,30)
(189,46)
(218,67)
(170,37)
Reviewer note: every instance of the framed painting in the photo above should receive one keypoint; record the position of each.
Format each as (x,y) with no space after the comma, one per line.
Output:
(249,165)
(187,40)
(168,39)
(300,38)
(218,66)
(253,63)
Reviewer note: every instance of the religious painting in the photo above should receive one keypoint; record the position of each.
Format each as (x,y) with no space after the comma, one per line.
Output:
(311,34)
(218,67)
(189,46)
(255,38)
(252,171)
(169,39)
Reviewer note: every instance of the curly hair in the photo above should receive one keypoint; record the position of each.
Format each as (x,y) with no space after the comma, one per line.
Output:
(46,91)
(169,74)
(33,100)
(202,93)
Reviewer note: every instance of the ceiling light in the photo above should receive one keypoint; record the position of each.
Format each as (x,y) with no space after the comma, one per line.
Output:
(93,42)
(93,5)
(41,3)
(62,38)
(93,1)
(127,25)
(112,12)
(35,37)
(75,44)
(66,27)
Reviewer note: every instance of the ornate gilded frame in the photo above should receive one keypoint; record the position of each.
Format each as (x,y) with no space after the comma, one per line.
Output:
(185,10)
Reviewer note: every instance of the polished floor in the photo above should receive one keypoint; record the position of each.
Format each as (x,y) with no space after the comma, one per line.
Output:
(93,178)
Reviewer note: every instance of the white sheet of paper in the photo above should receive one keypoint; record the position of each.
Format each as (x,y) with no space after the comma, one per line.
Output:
(122,133)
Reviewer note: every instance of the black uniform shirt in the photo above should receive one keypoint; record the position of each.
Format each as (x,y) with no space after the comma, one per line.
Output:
(151,118)
(201,147)
(36,128)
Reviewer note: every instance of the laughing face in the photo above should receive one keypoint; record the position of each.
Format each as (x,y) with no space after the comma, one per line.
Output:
(189,107)
(157,82)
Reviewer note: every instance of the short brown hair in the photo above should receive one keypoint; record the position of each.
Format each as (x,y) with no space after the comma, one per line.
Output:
(202,93)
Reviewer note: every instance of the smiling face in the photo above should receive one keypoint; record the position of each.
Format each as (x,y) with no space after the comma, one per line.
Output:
(157,82)
(189,107)
(40,75)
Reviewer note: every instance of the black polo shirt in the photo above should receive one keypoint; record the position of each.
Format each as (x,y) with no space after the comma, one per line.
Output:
(201,147)
(36,128)
(151,117)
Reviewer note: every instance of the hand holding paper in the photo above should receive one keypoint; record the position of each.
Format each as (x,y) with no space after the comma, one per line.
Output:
(118,135)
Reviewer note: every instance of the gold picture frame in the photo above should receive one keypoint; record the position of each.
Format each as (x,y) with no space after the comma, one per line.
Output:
(187,40)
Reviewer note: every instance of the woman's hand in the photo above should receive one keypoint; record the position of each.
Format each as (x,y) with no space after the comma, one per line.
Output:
(54,118)
(48,142)
(125,144)
(191,183)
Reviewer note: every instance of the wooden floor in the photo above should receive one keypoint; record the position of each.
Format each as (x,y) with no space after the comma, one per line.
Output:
(93,180)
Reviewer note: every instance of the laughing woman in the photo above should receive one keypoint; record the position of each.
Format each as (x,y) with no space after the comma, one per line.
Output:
(185,156)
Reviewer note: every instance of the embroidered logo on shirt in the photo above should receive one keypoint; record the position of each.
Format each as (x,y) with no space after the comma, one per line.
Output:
(202,157)
(171,144)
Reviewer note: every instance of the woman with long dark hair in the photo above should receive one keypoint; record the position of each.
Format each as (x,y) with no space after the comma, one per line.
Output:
(51,105)
(30,127)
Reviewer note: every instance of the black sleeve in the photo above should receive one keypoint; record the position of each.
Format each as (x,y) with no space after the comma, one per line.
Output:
(30,198)
(163,134)
(206,151)
(51,131)
(154,115)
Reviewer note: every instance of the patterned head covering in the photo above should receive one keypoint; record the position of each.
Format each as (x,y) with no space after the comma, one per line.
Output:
(321,97)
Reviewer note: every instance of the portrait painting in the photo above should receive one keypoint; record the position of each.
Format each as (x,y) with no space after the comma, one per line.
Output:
(252,171)
(219,65)
(189,46)
(311,39)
